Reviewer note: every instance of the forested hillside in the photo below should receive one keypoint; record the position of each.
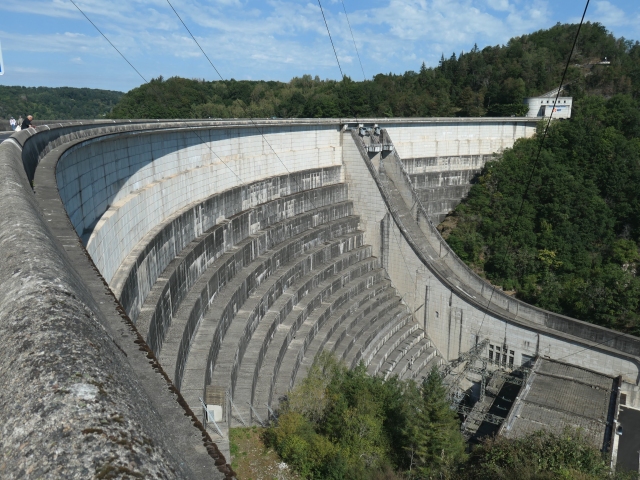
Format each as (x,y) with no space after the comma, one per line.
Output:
(491,81)
(574,249)
(64,103)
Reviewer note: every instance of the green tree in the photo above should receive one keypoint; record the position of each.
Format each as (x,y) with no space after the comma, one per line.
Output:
(436,444)
(64,103)
(491,81)
(541,455)
(574,247)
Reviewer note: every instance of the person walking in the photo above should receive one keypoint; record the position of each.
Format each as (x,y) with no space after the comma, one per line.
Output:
(12,122)
(27,123)
(19,121)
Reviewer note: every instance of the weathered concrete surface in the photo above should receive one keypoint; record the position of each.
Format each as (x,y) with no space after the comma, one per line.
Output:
(222,220)
(556,395)
(193,445)
(443,157)
(442,182)
(70,404)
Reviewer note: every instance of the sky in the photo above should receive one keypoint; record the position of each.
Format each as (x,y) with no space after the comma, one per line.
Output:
(50,43)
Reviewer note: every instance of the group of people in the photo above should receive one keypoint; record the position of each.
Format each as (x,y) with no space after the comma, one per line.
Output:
(21,124)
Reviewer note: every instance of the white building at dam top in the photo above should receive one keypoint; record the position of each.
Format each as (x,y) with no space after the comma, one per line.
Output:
(544,107)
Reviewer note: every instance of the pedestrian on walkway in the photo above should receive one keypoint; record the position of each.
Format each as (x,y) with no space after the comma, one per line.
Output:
(12,122)
(27,122)
(19,121)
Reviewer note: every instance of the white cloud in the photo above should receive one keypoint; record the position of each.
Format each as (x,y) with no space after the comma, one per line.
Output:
(500,5)
(611,16)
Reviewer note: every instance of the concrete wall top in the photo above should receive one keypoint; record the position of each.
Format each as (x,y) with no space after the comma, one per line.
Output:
(592,343)
(68,381)
(281,121)
(116,188)
(455,139)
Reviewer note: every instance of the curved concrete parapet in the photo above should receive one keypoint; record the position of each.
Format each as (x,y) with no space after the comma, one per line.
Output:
(74,399)
(443,157)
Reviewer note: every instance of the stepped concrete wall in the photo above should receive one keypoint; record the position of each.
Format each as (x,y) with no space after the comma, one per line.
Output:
(79,396)
(136,193)
(119,188)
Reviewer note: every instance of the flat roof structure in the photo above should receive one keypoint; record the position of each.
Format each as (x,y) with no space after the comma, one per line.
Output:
(557,395)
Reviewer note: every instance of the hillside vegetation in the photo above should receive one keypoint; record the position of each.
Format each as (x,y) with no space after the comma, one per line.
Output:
(574,248)
(64,103)
(341,424)
(491,81)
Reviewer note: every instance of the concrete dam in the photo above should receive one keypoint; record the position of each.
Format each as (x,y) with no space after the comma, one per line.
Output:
(150,264)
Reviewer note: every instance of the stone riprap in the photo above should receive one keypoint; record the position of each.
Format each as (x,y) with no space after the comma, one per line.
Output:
(237,257)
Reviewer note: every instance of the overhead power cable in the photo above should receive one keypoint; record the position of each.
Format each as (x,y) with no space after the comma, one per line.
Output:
(248,116)
(331,39)
(354,41)
(364,77)
(151,86)
(535,162)
(105,37)
(194,38)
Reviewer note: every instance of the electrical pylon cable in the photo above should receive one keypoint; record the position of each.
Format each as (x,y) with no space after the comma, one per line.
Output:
(535,162)
(151,86)
(354,41)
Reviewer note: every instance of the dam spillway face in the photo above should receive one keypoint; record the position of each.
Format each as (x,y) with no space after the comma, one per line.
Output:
(174,261)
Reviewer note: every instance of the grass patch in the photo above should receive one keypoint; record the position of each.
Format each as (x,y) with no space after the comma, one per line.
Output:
(251,460)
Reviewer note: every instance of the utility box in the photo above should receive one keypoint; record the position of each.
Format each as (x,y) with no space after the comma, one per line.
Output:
(215,399)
